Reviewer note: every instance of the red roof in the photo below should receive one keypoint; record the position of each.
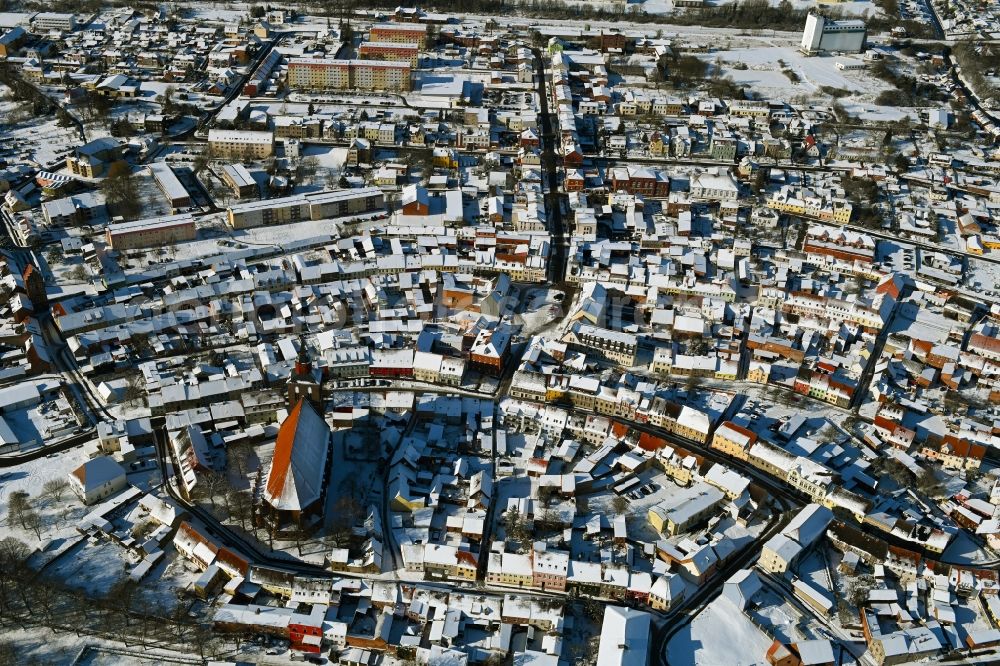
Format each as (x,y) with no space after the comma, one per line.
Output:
(749,434)
(964,448)
(228,557)
(300,459)
(884,423)
(649,442)
(985,342)
(889,285)
(283,451)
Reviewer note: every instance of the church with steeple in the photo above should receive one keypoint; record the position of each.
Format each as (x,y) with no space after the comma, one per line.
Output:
(303,382)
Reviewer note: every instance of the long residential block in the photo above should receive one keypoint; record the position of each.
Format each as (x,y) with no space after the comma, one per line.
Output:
(240,144)
(390,51)
(324,74)
(151,232)
(301,207)
(399,33)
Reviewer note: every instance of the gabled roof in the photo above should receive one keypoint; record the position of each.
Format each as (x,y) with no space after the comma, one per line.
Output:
(295,479)
(624,637)
(97,471)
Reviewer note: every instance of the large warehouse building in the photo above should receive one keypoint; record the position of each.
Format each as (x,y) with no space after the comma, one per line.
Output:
(823,34)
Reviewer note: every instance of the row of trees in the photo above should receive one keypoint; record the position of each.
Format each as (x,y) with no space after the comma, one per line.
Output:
(976,60)
(28,600)
(24,91)
(746,14)
(83,7)
(215,489)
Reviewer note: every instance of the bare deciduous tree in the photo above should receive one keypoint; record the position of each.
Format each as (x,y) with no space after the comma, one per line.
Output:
(55,488)
(32,521)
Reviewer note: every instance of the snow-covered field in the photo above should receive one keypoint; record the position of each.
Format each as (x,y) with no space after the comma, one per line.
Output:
(327,157)
(225,12)
(33,139)
(154,203)
(58,517)
(875,113)
(765,77)
(94,568)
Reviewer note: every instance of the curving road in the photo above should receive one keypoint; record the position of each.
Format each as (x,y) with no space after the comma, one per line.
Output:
(682,615)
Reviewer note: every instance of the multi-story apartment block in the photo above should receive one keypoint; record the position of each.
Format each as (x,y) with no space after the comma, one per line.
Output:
(152,232)
(323,74)
(46,21)
(240,144)
(398,33)
(93,159)
(390,51)
(380,75)
(171,186)
(76,209)
(640,180)
(299,207)
(313,73)
(756,109)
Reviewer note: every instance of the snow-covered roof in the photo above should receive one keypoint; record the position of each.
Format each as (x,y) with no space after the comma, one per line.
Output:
(624,637)
(97,471)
